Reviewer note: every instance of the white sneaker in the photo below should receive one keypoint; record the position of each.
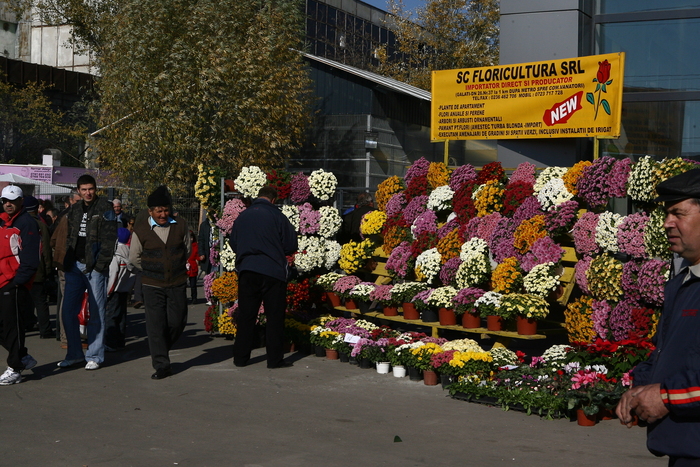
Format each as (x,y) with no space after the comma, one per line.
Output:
(28,362)
(10,377)
(92,365)
(208,302)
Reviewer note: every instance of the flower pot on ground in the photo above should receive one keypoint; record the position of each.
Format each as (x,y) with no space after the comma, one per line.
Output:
(366,363)
(333,298)
(410,312)
(343,357)
(390,311)
(446,380)
(494,323)
(430,378)
(353,361)
(471,321)
(383,368)
(320,351)
(447,317)
(399,371)
(526,326)
(584,419)
(331,354)
(414,374)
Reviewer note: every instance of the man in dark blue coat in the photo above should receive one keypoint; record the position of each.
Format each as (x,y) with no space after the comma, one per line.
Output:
(666,387)
(262,238)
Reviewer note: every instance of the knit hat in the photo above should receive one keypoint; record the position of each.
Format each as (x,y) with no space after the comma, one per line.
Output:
(160,197)
(31,203)
(123,235)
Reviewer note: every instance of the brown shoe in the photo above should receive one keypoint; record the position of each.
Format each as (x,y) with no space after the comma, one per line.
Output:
(138,304)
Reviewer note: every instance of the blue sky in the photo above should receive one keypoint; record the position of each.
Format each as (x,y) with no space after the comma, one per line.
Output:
(409,4)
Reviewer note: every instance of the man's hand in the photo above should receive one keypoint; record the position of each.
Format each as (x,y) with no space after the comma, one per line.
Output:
(643,401)
(200,258)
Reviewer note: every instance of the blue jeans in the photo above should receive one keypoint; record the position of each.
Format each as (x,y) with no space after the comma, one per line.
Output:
(77,282)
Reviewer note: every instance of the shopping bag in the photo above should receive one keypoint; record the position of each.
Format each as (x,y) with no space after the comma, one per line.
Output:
(84,315)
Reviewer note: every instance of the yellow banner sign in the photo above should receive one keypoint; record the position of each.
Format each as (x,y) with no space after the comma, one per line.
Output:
(571,98)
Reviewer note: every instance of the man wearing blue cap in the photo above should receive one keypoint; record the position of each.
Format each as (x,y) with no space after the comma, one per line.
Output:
(19,260)
(666,389)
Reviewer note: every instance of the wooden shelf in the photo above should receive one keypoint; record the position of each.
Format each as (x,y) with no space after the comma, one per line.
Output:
(436,325)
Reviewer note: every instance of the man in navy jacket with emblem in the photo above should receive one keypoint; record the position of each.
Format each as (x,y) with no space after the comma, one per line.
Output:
(666,387)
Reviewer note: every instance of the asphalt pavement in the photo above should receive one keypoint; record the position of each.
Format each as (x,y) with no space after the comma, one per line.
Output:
(317,413)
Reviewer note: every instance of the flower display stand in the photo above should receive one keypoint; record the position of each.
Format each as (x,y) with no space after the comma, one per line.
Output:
(526,326)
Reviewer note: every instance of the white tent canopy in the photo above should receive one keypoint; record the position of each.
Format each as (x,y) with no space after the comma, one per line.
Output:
(42,188)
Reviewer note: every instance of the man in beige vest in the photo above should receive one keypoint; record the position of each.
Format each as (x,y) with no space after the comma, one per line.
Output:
(160,246)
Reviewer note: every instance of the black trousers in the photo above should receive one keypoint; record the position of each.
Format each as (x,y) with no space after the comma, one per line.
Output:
(41,305)
(13,303)
(166,317)
(683,462)
(115,319)
(253,290)
(193,287)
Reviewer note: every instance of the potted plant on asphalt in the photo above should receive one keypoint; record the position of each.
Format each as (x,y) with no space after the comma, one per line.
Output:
(423,362)
(590,392)
(324,340)
(410,360)
(441,365)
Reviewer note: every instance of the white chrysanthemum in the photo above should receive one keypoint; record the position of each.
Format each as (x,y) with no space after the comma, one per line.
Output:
(553,193)
(606,231)
(311,253)
(502,356)
(541,280)
(322,184)
(250,180)
(440,198)
(332,254)
(548,174)
(474,248)
(442,297)
(462,345)
(361,291)
(641,182)
(292,213)
(429,264)
(330,221)
(555,356)
(489,299)
(227,257)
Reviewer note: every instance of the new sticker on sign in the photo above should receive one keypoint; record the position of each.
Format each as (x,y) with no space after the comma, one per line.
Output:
(570,98)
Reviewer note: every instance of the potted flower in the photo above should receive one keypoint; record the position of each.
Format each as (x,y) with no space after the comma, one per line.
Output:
(590,392)
(353,255)
(464,306)
(382,294)
(367,351)
(327,282)
(441,365)
(325,338)
(404,354)
(542,279)
(489,305)
(476,265)
(421,358)
(344,285)
(527,309)
(360,296)
(441,298)
(404,294)
(420,301)
(472,363)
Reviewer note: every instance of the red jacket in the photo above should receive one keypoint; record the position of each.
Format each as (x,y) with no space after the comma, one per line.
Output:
(192,269)
(20,249)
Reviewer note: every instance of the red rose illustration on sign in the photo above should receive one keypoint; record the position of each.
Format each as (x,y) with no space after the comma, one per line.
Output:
(603,80)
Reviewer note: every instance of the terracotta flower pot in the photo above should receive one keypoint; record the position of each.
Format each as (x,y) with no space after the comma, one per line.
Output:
(390,311)
(430,378)
(333,298)
(494,323)
(526,326)
(350,304)
(447,317)
(585,420)
(471,321)
(331,354)
(410,312)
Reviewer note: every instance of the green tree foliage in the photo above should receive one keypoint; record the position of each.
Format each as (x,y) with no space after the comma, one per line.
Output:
(183,82)
(441,35)
(29,124)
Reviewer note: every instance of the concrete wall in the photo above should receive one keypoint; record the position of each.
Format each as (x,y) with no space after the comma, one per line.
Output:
(537,30)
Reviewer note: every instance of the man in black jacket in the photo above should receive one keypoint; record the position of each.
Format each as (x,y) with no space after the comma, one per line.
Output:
(90,241)
(262,238)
